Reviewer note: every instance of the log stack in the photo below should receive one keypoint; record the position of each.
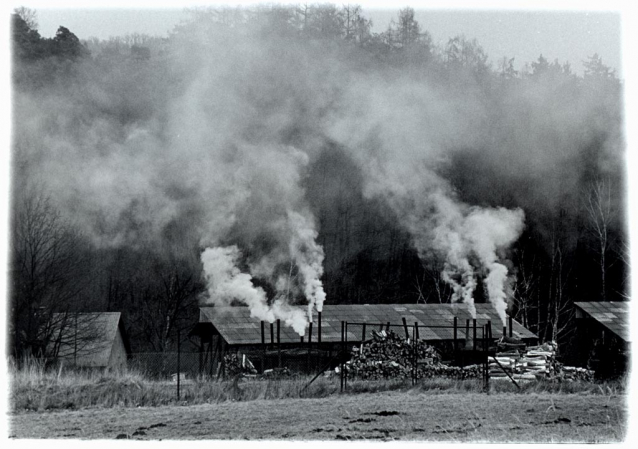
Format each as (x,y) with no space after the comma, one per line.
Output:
(388,356)
(235,365)
(535,362)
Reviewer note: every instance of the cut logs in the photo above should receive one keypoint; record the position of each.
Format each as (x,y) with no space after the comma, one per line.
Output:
(531,363)
(389,356)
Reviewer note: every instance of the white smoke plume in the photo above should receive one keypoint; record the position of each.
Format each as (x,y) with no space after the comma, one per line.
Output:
(226,283)
(212,140)
(308,256)
(473,242)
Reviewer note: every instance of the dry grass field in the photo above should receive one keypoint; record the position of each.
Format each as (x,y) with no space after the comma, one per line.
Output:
(390,415)
(75,404)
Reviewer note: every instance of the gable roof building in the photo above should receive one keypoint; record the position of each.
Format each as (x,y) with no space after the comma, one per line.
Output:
(236,326)
(603,340)
(224,330)
(611,315)
(88,340)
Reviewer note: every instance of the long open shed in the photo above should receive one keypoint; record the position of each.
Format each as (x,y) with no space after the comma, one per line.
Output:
(232,329)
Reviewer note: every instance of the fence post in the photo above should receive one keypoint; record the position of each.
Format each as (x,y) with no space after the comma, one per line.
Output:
(263,345)
(487,360)
(75,342)
(405,328)
(201,356)
(278,343)
(178,363)
(455,339)
(363,333)
(272,336)
(309,347)
(345,376)
(414,353)
(341,358)
(319,328)
(511,320)
(474,334)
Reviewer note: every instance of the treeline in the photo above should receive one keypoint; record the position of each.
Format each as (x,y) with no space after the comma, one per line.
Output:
(543,139)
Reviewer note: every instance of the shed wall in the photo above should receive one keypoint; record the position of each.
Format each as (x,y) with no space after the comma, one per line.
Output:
(118,357)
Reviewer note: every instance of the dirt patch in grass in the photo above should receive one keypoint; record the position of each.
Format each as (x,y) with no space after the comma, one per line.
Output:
(500,417)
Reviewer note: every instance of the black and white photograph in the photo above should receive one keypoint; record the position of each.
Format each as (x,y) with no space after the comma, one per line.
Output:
(286,221)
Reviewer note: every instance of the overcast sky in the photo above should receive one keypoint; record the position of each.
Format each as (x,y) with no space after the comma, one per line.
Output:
(568,35)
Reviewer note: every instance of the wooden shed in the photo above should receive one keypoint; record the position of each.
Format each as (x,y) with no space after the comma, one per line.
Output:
(603,337)
(89,340)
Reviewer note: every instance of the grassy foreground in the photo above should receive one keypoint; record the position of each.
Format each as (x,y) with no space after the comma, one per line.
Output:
(389,415)
(74,404)
(34,388)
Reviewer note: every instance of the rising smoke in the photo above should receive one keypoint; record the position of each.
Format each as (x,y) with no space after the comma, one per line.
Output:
(225,149)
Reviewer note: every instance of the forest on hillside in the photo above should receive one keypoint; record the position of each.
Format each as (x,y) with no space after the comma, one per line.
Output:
(314,155)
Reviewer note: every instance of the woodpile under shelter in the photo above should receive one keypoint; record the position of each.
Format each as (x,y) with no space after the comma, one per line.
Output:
(225,330)
(95,340)
(603,337)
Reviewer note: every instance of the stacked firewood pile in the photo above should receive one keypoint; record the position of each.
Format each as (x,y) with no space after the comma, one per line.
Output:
(534,362)
(235,365)
(388,356)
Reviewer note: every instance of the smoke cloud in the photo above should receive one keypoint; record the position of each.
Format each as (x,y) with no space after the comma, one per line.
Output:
(226,283)
(215,138)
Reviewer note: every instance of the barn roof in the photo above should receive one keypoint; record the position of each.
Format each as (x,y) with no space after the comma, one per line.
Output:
(613,315)
(88,338)
(236,325)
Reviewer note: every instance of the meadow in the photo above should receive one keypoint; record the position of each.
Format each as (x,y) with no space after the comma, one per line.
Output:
(65,403)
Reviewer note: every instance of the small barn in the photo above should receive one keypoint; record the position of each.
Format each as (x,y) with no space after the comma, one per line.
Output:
(95,340)
(602,337)
(224,330)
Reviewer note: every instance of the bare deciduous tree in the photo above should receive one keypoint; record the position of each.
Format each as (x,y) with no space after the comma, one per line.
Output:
(48,270)
(601,214)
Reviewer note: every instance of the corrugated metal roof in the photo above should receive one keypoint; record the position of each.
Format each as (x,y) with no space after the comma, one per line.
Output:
(232,322)
(95,336)
(611,314)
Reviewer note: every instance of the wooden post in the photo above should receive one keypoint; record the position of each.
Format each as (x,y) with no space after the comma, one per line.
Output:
(467,330)
(405,328)
(387,327)
(178,363)
(201,356)
(319,328)
(504,331)
(75,342)
(272,335)
(341,357)
(363,333)
(345,376)
(474,334)
(416,330)
(263,345)
(511,321)
(278,343)
(455,335)
(309,347)
(486,333)
(414,354)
